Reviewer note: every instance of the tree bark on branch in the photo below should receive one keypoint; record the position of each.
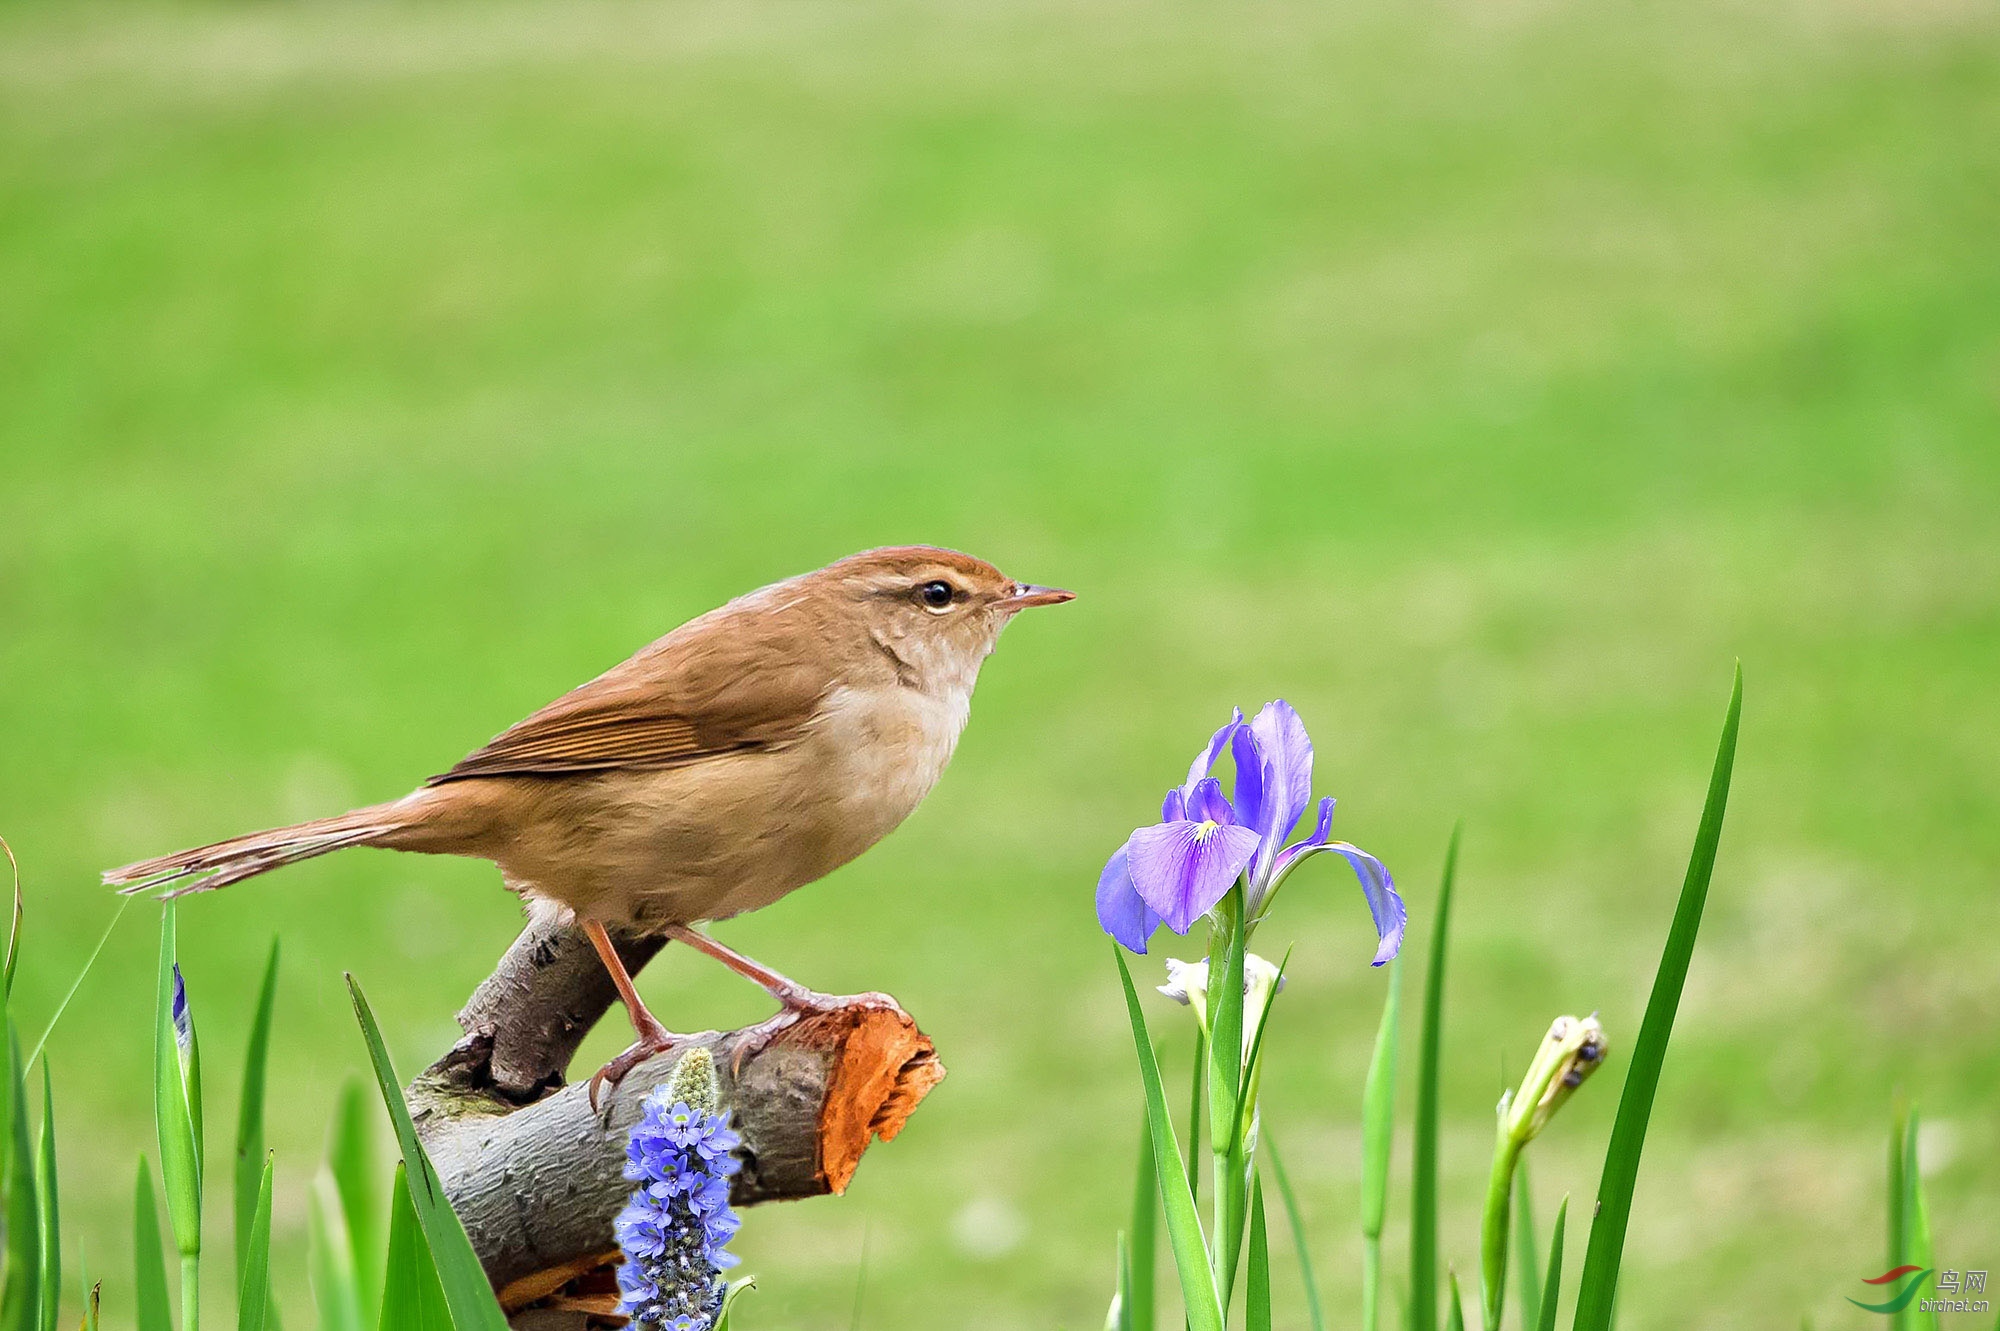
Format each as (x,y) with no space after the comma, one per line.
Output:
(537,1176)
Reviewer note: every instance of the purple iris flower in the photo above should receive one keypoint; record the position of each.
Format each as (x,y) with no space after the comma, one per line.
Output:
(1175,872)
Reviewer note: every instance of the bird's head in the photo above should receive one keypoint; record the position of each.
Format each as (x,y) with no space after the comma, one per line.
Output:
(938,612)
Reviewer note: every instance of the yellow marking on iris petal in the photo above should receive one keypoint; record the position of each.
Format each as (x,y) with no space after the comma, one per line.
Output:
(1204,830)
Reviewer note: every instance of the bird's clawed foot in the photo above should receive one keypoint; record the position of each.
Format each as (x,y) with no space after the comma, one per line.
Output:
(799,1002)
(653,1039)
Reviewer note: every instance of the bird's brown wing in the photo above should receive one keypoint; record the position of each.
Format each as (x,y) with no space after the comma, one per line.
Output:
(696,693)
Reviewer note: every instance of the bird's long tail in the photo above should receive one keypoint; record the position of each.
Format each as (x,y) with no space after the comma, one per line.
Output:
(206,868)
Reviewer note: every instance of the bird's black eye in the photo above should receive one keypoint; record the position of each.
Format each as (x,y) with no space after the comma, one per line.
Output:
(936,595)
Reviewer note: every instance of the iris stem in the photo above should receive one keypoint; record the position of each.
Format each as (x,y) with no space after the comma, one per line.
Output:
(1226,1089)
(1493,1228)
(1527,1266)
(190,1291)
(1371,1281)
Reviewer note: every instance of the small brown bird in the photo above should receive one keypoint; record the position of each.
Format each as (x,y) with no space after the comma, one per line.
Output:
(745,754)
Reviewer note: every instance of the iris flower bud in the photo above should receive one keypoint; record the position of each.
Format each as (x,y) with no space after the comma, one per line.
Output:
(1187,984)
(1573,1050)
(1569,1053)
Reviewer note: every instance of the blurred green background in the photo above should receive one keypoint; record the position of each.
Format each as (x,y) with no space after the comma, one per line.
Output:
(1484,376)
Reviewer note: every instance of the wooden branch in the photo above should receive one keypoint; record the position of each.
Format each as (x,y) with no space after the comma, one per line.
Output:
(524,1022)
(537,1177)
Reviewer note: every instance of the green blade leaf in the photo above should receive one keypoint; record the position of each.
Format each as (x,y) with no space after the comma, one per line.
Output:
(737,1288)
(1598,1285)
(49,1217)
(330,1257)
(251,1163)
(13,929)
(1378,1131)
(1198,1084)
(1899,1195)
(1424,1165)
(1899,1234)
(1315,1315)
(1916,1212)
(1142,1243)
(1457,1322)
(151,1303)
(8,1100)
(352,1159)
(1198,1292)
(1118,1316)
(1253,1061)
(467,1292)
(173,1113)
(1528,1267)
(1257,1294)
(1552,1287)
(20,1302)
(253,1291)
(412,1298)
(1378,1109)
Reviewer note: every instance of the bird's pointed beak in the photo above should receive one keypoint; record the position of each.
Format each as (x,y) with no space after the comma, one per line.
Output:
(1027,594)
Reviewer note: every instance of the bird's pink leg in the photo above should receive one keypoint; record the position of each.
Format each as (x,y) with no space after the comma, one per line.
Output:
(653,1037)
(797,999)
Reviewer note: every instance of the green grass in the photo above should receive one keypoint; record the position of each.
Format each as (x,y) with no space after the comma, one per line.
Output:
(1485,378)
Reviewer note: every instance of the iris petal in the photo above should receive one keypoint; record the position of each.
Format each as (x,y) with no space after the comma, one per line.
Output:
(1209,804)
(1322,829)
(1181,870)
(1250,787)
(1385,904)
(1204,762)
(1282,738)
(1119,909)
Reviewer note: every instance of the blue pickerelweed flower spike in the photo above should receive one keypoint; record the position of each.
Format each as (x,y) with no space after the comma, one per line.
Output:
(675,1229)
(1175,871)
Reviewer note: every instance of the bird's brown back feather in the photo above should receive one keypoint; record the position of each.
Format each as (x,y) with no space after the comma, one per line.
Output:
(740,677)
